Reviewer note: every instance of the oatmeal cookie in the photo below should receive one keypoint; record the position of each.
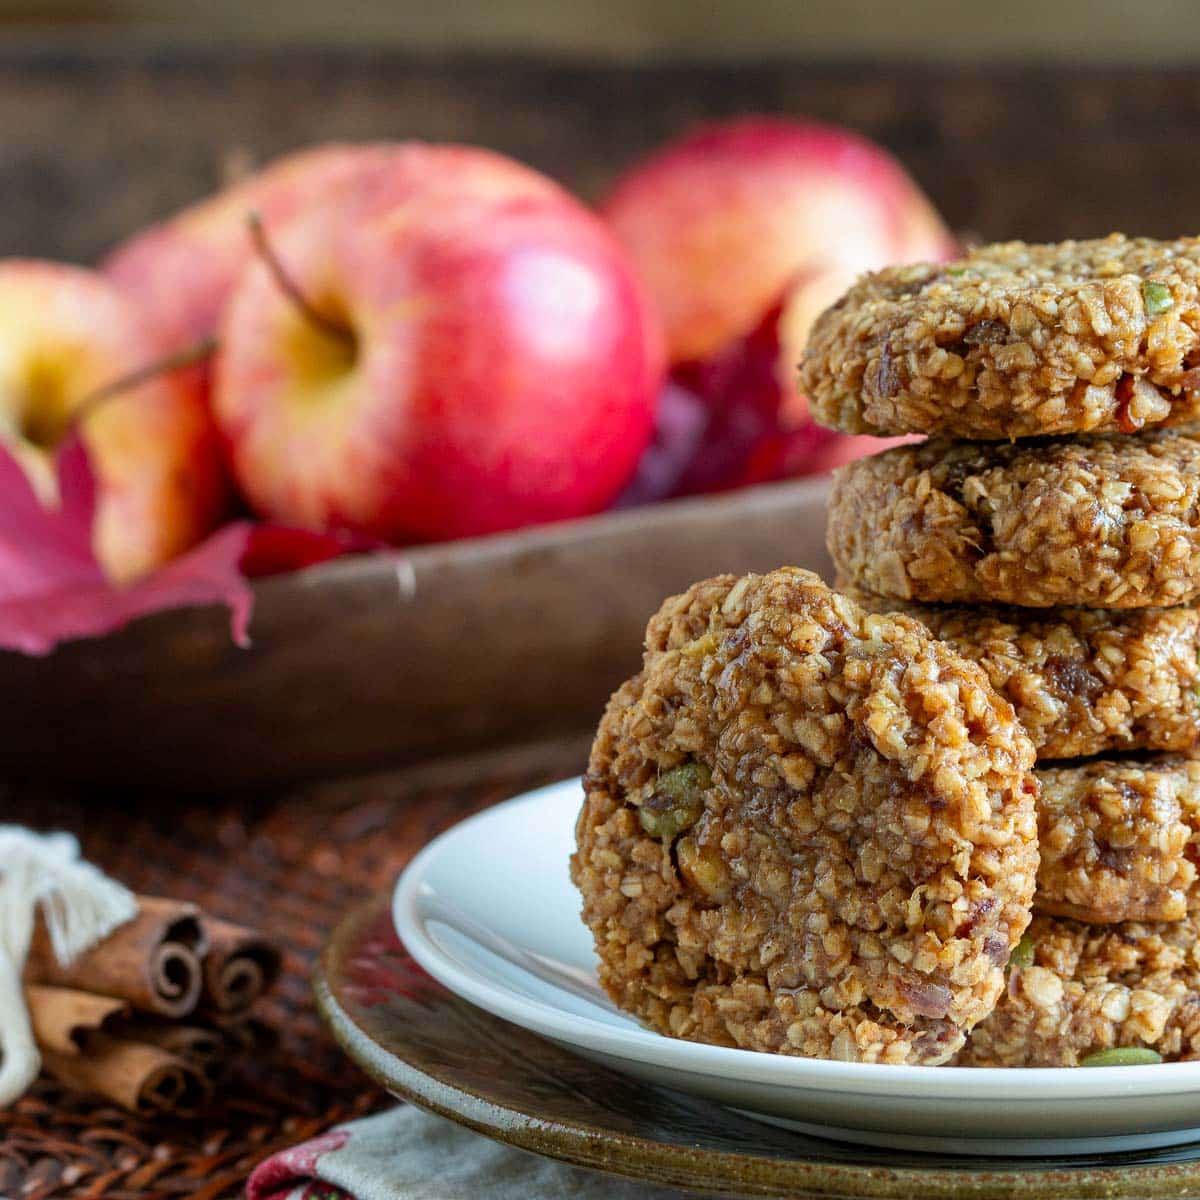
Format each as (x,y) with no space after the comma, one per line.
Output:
(807,829)
(1083,681)
(1077,990)
(1015,341)
(1119,839)
(1096,522)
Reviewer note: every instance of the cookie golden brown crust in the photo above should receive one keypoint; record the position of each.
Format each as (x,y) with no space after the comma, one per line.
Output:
(1082,681)
(807,829)
(1093,988)
(1119,839)
(1015,340)
(1096,522)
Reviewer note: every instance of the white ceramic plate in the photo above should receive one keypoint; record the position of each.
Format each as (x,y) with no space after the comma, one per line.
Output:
(489,911)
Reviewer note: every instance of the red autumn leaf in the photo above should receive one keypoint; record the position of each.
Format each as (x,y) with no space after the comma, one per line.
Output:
(727,422)
(722,424)
(52,589)
(278,549)
(740,390)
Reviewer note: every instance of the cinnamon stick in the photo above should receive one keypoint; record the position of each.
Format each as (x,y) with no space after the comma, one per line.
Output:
(206,1049)
(144,1079)
(152,961)
(88,1043)
(62,1017)
(239,966)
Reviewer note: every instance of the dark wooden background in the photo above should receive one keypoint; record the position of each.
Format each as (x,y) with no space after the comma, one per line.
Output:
(95,144)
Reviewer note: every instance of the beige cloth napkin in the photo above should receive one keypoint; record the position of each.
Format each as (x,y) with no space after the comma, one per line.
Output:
(407,1154)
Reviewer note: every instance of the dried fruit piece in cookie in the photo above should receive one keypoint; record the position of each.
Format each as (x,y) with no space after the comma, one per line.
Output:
(1091,989)
(1015,340)
(1099,522)
(1082,681)
(1119,839)
(807,829)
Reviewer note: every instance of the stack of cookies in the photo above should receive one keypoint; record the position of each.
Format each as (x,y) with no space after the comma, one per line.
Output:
(1049,530)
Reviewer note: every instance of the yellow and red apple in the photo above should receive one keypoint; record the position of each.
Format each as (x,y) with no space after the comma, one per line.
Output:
(180,272)
(744,231)
(65,335)
(486,360)
(721,222)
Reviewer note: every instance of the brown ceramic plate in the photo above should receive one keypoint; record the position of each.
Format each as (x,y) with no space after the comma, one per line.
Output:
(428,1046)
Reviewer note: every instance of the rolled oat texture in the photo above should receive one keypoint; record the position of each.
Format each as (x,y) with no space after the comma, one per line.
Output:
(1119,839)
(1095,522)
(1015,341)
(807,829)
(1082,681)
(1092,988)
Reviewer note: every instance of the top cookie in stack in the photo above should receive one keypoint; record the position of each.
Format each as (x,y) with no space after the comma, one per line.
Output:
(1015,341)
(1040,539)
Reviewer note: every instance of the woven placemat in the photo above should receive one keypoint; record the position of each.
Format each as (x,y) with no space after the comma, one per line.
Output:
(291,865)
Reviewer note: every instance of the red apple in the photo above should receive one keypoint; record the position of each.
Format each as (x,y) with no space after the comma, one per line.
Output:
(722,221)
(498,366)
(66,333)
(181,271)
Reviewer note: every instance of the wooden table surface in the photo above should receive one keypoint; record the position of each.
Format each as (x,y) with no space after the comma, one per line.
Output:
(291,864)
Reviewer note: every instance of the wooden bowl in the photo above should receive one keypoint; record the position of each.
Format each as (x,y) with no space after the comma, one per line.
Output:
(389,660)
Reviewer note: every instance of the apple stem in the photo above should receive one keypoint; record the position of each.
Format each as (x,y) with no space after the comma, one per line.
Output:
(189,356)
(291,289)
